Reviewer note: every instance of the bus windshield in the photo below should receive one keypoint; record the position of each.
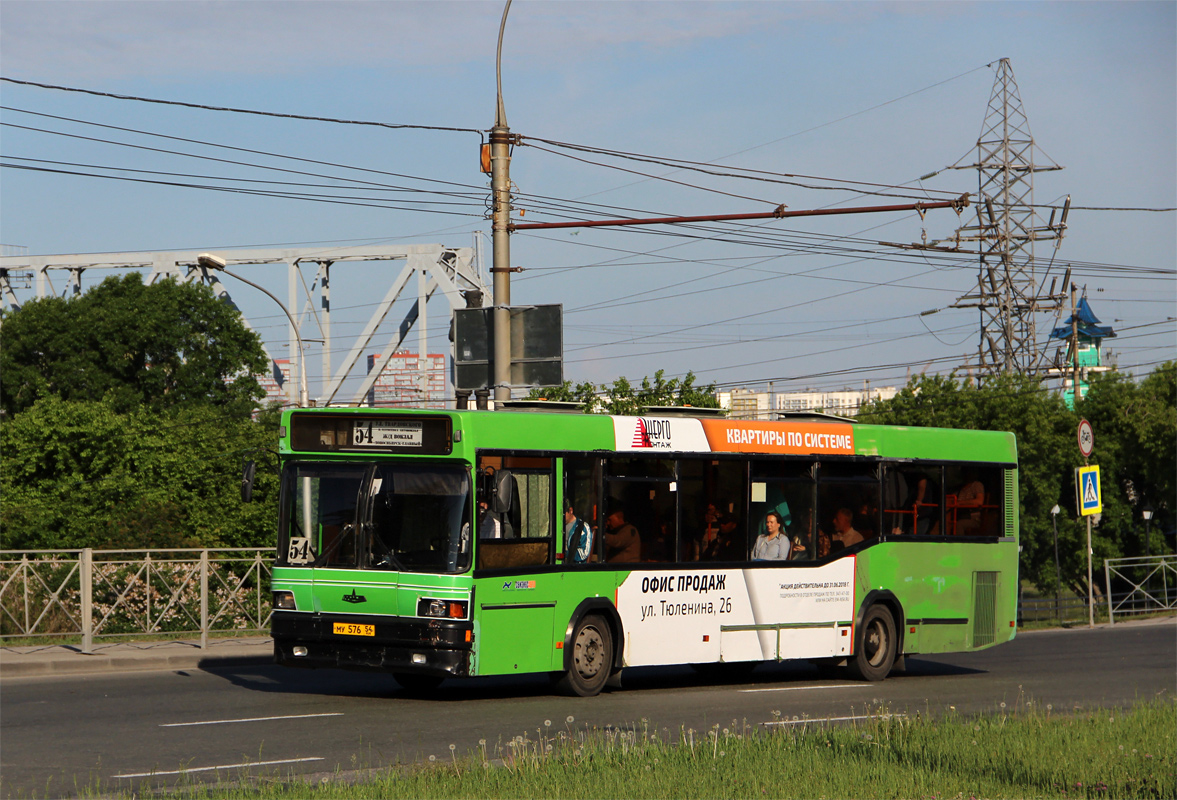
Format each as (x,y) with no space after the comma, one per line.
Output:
(407,517)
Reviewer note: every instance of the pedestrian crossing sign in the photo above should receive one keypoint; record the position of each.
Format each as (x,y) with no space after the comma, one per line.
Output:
(1090,500)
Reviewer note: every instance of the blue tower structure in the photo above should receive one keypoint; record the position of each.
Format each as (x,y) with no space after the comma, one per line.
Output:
(1090,335)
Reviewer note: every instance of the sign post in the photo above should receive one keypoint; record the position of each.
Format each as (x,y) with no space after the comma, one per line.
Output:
(1090,503)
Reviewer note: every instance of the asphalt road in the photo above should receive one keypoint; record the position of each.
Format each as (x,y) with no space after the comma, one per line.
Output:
(109,731)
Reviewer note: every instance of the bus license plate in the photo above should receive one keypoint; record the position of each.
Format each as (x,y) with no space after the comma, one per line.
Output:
(351,629)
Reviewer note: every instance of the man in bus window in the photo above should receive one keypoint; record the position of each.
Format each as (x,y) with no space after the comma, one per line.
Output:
(844,533)
(970,498)
(622,542)
(578,537)
(719,533)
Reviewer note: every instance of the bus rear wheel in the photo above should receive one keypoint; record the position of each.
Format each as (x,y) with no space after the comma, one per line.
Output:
(877,644)
(592,658)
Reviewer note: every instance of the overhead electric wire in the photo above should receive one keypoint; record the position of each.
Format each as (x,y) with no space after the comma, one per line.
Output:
(241,190)
(204,107)
(217,145)
(756,175)
(270,182)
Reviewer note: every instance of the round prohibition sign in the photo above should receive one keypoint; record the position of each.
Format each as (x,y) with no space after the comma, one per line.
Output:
(1086,438)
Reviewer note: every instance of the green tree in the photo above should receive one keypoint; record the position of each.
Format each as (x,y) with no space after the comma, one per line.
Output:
(82,474)
(159,346)
(1135,424)
(623,398)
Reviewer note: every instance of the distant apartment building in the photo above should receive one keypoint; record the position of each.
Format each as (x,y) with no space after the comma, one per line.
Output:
(749,404)
(843,403)
(408,381)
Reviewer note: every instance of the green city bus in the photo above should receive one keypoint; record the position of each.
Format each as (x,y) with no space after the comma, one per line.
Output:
(445,544)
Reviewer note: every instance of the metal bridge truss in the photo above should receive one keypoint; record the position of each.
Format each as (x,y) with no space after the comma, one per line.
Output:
(428,269)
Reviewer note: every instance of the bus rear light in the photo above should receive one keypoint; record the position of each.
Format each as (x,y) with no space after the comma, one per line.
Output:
(418,658)
(432,607)
(299,650)
(284,601)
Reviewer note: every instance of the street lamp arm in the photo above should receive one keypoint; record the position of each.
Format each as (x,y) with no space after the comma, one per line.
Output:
(500,111)
(218,263)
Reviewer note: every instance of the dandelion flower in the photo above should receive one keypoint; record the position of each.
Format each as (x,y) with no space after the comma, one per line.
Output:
(570,719)
(432,758)
(453,747)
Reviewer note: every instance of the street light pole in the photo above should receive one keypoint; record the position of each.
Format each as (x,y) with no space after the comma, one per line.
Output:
(500,182)
(210,261)
(1058,580)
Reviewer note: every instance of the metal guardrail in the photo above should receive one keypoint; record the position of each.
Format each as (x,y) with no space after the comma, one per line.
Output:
(1153,580)
(123,593)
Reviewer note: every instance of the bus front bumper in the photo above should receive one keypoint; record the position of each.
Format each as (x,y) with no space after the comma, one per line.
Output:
(418,646)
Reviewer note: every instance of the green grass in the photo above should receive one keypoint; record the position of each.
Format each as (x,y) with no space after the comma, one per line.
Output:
(1027,752)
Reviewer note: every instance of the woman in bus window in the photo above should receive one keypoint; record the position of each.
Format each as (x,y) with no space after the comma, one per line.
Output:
(774,544)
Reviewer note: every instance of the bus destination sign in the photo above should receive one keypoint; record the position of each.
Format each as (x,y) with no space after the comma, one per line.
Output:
(387,433)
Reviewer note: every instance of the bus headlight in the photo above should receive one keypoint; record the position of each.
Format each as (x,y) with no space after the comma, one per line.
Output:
(284,601)
(444,609)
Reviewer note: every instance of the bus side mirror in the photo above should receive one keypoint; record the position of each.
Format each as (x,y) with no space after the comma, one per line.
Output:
(247,481)
(504,491)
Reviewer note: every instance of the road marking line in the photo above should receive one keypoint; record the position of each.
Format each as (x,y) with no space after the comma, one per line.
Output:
(248,719)
(800,688)
(830,719)
(219,766)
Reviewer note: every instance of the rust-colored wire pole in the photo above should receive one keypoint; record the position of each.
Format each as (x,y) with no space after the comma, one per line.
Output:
(778,213)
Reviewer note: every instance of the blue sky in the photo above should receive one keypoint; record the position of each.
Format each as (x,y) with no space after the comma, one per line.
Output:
(872,92)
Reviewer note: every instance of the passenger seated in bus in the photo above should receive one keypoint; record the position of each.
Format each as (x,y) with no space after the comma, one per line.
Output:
(774,545)
(718,540)
(656,547)
(489,526)
(844,533)
(921,501)
(578,537)
(622,541)
(969,500)
(865,521)
(803,545)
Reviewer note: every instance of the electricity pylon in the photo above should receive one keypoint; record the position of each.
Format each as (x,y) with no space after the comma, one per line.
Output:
(1009,292)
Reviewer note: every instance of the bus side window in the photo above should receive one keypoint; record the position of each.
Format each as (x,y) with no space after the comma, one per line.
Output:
(974,501)
(847,503)
(579,517)
(912,500)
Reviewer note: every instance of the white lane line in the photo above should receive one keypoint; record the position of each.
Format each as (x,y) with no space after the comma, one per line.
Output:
(830,719)
(801,688)
(219,766)
(248,719)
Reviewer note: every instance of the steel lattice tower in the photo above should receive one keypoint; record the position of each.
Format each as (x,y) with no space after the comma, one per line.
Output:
(1008,292)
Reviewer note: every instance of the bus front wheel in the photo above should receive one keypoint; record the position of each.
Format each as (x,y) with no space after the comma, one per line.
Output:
(592,658)
(876,650)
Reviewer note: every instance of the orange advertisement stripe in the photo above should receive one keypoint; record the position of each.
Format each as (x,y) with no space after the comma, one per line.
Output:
(798,438)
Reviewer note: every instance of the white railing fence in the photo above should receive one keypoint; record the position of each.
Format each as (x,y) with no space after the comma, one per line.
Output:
(1152,581)
(54,594)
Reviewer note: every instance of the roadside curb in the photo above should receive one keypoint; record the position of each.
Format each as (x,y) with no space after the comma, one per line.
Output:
(63,661)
